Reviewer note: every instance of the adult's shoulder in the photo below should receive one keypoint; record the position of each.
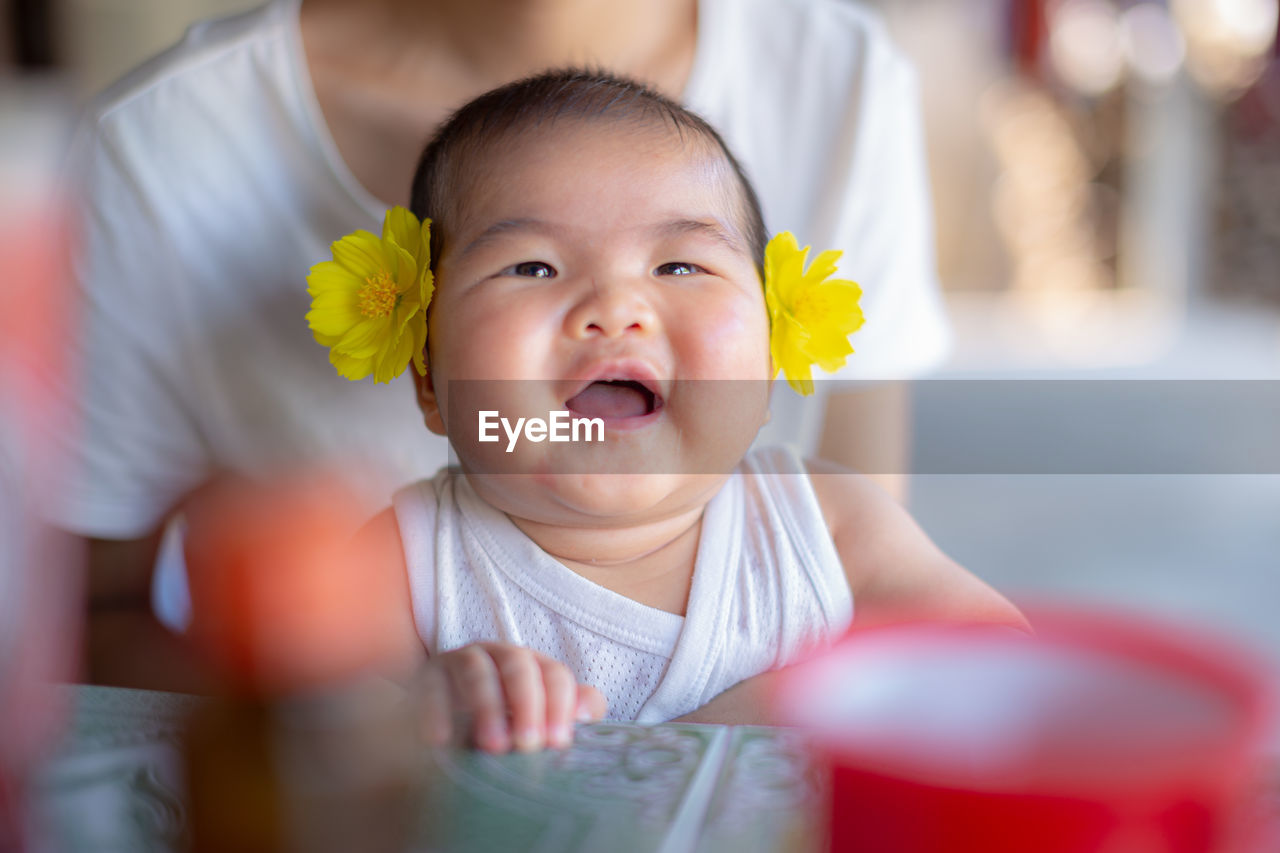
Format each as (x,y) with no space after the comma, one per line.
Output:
(768,67)
(210,137)
(798,38)
(196,60)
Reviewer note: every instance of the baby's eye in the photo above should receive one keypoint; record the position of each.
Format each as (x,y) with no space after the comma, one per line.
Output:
(679,268)
(531,269)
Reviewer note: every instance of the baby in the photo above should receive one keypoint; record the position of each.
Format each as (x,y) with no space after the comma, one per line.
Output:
(597,250)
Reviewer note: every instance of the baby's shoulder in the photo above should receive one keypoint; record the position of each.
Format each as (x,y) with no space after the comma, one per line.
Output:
(872,532)
(855,511)
(376,553)
(418,502)
(847,498)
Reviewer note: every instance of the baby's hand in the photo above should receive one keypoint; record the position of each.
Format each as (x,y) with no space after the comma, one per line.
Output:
(514,696)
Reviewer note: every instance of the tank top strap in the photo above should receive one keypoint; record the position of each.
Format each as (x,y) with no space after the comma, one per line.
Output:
(781,494)
(415,509)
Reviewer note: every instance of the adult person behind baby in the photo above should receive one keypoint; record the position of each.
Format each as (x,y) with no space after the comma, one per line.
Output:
(216,172)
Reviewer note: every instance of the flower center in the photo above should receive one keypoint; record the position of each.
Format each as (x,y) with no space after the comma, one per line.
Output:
(812,305)
(379,295)
(801,306)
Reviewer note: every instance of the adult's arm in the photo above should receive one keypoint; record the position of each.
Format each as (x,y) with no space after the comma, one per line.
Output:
(132,450)
(882,216)
(125,645)
(869,430)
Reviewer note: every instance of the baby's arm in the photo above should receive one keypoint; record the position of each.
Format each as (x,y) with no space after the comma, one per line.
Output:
(515,697)
(378,553)
(748,703)
(894,570)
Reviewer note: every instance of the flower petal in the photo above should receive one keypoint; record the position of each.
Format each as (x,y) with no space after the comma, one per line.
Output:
(787,346)
(418,330)
(361,254)
(349,366)
(784,267)
(428,288)
(833,303)
(828,351)
(822,268)
(392,358)
(406,271)
(401,227)
(360,345)
(329,275)
(811,314)
(332,318)
(363,340)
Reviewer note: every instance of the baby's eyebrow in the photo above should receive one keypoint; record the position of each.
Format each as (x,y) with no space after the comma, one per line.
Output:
(506,226)
(711,228)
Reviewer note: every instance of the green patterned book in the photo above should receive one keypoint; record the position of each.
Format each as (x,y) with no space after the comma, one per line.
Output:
(117,785)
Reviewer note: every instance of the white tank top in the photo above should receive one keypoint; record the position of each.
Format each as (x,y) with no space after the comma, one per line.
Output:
(767,586)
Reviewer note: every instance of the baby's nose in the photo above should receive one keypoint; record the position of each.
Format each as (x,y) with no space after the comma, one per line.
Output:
(611,309)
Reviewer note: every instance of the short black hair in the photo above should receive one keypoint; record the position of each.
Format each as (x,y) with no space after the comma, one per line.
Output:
(565,94)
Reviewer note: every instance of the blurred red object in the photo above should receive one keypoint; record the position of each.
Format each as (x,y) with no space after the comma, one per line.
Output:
(1100,733)
(40,570)
(1028,35)
(283,598)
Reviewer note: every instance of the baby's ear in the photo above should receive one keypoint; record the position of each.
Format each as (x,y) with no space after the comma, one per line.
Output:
(427,402)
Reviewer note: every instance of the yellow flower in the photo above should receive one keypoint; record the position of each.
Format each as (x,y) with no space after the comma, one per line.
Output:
(811,315)
(369,304)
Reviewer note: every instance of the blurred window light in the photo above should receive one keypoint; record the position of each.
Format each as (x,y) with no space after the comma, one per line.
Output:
(1227,40)
(1043,201)
(1084,45)
(1152,42)
(1251,24)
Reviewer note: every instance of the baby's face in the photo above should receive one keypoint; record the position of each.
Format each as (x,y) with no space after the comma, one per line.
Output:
(603,271)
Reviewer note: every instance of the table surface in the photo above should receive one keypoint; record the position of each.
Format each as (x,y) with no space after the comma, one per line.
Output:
(116,784)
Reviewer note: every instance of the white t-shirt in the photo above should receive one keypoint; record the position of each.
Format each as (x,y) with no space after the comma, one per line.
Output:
(211,185)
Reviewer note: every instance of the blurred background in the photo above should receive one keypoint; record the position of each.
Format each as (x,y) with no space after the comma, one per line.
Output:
(1106,176)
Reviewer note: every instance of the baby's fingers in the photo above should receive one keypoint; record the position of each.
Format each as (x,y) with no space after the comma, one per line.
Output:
(562,702)
(433,694)
(521,671)
(591,704)
(476,682)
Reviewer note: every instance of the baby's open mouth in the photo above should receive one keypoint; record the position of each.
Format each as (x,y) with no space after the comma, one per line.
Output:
(614,399)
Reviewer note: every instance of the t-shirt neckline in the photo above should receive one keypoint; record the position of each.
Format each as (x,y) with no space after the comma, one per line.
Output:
(317,124)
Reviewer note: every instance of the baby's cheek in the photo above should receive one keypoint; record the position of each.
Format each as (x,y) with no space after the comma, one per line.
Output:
(493,344)
(735,343)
